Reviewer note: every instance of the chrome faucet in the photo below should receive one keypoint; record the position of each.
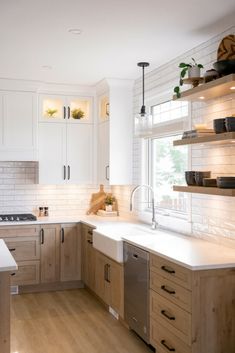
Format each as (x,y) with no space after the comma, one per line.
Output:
(154,222)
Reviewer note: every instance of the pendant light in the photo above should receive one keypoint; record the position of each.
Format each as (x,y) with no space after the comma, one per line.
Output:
(143,120)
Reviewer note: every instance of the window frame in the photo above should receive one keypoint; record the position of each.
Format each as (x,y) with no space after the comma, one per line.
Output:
(167,219)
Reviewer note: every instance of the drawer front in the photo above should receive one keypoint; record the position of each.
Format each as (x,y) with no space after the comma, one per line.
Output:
(19,231)
(178,274)
(27,273)
(164,341)
(172,291)
(24,248)
(177,320)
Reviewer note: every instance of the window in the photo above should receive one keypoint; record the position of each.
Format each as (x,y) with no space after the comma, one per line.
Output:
(166,164)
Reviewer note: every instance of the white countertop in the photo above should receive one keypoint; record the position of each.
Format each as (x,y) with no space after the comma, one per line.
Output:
(190,252)
(7,262)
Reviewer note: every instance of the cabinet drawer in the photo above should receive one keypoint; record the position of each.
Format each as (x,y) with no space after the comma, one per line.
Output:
(178,274)
(172,291)
(23,248)
(177,320)
(19,231)
(27,273)
(164,341)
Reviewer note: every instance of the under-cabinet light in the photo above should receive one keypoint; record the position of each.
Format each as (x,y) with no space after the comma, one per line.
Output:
(201,97)
(233,87)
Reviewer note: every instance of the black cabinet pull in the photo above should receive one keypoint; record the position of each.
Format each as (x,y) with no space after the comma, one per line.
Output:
(164,313)
(64,112)
(68,112)
(64,172)
(13,274)
(68,172)
(108,273)
(163,342)
(105,272)
(62,235)
(167,290)
(42,236)
(90,232)
(167,269)
(90,241)
(12,249)
(106,172)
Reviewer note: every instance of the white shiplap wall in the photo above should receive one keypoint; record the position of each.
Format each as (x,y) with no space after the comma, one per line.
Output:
(212,217)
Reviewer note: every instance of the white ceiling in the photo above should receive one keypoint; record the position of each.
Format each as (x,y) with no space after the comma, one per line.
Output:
(116,34)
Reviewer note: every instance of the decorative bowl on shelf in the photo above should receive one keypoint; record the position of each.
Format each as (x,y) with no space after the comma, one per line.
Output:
(226,182)
(199,176)
(230,123)
(219,126)
(225,67)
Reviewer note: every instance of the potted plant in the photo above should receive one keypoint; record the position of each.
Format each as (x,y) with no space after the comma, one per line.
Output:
(109,201)
(78,113)
(193,70)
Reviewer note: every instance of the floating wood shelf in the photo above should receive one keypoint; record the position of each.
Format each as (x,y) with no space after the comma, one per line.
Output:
(227,137)
(205,190)
(217,88)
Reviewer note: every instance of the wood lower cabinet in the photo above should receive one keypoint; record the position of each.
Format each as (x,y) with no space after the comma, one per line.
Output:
(109,282)
(88,258)
(191,311)
(24,245)
(50,253)
(70,253)
(5,312)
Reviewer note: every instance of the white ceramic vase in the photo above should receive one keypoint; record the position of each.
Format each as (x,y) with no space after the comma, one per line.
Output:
(194,71)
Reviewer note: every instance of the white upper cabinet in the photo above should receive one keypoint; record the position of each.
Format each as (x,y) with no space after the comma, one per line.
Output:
(115,131)
(58,108)
(18,126)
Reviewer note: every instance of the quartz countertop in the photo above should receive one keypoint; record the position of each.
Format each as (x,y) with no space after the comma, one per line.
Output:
(7,262)
(188,251)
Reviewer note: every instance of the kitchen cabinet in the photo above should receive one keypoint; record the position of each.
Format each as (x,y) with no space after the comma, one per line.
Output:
(61,108)
(5,312)
(18,126)
(65,153)
(109,282)
(50,253)
(115,132)
(88,258)
(191,311)
(24,245)
(60,253)
(70,253)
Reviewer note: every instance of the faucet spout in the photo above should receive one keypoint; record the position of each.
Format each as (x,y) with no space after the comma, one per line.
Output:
(154,222)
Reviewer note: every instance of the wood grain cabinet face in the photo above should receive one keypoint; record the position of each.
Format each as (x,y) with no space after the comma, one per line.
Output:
(109,282)
(191,311)
(70,253)
(24,245)
(5,312)
(50,252)
(88,258)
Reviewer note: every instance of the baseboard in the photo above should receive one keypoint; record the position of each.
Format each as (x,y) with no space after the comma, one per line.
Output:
(48,287)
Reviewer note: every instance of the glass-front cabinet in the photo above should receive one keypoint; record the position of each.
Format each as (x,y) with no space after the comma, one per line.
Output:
(58,108)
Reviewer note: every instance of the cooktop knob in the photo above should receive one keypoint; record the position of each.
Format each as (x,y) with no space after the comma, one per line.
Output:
(0,219)
(11,218)
(6,219)
(17,218)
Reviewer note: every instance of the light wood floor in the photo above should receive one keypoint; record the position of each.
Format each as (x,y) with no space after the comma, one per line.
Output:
(68,322)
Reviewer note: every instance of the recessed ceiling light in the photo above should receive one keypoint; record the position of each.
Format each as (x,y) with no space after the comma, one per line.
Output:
(46,67)
(201,97)
(75,31)
(233,87)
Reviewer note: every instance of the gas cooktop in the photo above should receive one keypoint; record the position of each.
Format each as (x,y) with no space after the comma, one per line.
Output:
(17,217)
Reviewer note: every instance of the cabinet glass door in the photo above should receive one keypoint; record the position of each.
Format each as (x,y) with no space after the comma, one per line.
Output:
(79,110)
(53,109)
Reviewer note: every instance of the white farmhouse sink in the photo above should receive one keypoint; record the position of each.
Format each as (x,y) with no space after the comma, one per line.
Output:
(108,240)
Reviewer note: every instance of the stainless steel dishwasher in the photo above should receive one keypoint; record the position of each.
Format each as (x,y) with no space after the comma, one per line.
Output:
(136,290)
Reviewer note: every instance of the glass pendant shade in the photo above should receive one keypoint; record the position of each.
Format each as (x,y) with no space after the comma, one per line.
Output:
(143,120)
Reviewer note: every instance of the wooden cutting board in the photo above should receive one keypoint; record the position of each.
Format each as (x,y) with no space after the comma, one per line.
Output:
(98,201)
(226,50)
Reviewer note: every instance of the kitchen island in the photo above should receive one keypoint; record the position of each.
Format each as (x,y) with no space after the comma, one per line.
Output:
(7,265)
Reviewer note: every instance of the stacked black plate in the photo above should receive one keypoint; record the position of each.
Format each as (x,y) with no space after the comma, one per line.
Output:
(226,182)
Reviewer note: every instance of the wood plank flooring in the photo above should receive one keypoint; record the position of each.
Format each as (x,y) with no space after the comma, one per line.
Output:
(71,321)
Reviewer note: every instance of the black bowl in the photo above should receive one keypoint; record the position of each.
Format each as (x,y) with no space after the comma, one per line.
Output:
(199,176)
(190,177)
(230,123)
(225,67)
(219,126)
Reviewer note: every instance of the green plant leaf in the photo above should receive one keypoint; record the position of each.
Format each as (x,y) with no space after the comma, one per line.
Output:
(200,66)
(181,82)
(176,89)
(183,72)
(182,65)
